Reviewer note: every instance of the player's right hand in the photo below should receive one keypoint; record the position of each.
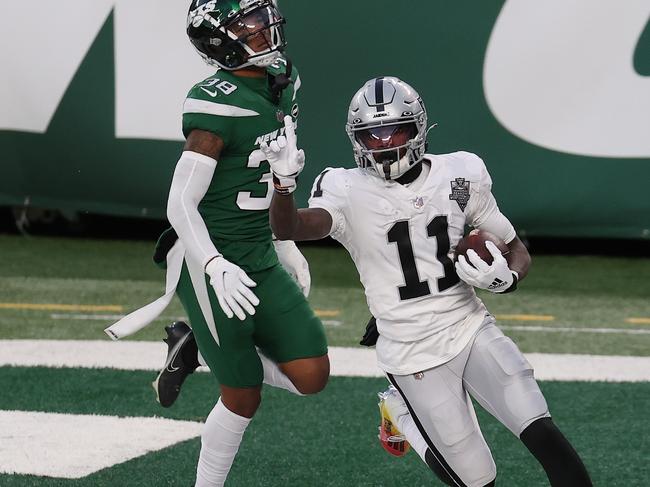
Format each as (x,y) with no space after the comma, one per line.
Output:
(496,277)
(232,286)
(284,157)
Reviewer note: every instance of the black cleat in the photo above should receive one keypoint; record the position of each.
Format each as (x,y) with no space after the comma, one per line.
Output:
(182,360)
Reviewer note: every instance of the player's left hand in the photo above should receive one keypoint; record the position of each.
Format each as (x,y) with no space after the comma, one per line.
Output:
(496,277)
(285,159)
(294,263)
(371,335)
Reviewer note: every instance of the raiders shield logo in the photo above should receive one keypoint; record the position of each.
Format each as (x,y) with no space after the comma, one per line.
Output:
(460,192)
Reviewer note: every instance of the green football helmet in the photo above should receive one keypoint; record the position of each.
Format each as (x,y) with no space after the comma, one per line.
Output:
(234,34)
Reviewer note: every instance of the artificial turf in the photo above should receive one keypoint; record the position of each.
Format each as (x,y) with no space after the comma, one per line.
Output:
(329,439)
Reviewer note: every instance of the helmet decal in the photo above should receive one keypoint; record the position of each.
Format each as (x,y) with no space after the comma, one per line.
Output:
(234,34)
(199,14)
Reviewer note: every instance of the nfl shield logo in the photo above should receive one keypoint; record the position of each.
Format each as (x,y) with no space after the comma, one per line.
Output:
(279,115)
(418,202)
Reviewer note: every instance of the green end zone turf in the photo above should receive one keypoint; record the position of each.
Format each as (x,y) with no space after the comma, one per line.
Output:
(328,439)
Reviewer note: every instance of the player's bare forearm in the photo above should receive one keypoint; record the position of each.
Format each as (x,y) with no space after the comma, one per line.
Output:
(283,216)
(518,258)
(290,223)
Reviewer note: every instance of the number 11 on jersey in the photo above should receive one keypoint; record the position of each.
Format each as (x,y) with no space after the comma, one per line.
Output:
(413,287)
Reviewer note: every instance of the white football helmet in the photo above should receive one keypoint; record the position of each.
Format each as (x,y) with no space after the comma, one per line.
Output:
(387,125)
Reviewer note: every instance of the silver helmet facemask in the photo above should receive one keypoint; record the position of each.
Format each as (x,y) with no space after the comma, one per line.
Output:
(387,126)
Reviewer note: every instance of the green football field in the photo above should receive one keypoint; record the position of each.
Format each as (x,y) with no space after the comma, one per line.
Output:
(71,289)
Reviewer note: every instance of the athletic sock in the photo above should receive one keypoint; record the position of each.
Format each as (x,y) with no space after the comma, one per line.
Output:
(220,439)
(273,376)
(408,428)
(556,455)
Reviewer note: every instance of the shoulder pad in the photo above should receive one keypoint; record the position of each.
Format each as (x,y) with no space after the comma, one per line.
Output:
(216,96)
(467,164)
(213,89)
(331,178)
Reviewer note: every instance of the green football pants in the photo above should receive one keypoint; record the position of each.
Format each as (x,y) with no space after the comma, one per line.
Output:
(283,327)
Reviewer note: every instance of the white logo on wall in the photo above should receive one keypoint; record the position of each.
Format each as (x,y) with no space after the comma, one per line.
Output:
(155,64)
(560,75)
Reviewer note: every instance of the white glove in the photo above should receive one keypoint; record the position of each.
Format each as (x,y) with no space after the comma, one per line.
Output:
(231,284)
(285,159)
(496,277)
(294,263)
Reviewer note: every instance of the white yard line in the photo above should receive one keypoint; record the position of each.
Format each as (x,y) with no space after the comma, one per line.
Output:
(352,362)
(73,446)
(565,329)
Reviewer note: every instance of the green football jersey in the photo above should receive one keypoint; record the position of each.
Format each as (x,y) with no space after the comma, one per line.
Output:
(243,113)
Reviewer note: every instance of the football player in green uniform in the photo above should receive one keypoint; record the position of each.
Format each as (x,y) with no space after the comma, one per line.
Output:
(250,319)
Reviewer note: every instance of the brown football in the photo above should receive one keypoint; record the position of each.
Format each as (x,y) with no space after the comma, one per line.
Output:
(476,240)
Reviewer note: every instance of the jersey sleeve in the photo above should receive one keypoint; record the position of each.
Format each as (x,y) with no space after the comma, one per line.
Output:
(208,108)
(484,212)
(328,193)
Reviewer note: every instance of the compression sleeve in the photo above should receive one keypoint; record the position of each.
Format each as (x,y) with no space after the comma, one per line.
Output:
(191,180)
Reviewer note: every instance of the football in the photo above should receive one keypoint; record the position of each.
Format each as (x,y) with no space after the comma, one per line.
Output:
(476,240)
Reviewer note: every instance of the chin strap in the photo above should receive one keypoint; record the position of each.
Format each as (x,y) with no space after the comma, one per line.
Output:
(279,82)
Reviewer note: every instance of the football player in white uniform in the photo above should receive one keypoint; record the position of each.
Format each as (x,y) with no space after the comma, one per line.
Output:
(400,215)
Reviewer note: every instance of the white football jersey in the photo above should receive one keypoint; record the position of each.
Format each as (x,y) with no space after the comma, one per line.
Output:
(402,240)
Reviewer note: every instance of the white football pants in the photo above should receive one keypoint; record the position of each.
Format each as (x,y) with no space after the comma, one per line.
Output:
(496,374)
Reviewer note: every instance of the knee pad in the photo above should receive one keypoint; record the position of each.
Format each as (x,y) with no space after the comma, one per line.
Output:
(523,401)
(454,425)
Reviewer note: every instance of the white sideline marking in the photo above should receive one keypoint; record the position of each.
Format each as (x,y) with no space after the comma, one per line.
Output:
(72,446)
(351,362)
(564,329)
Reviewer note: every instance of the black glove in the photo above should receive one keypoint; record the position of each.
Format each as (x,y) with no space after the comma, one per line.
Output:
(370,336)
(165,243)
(278,82)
